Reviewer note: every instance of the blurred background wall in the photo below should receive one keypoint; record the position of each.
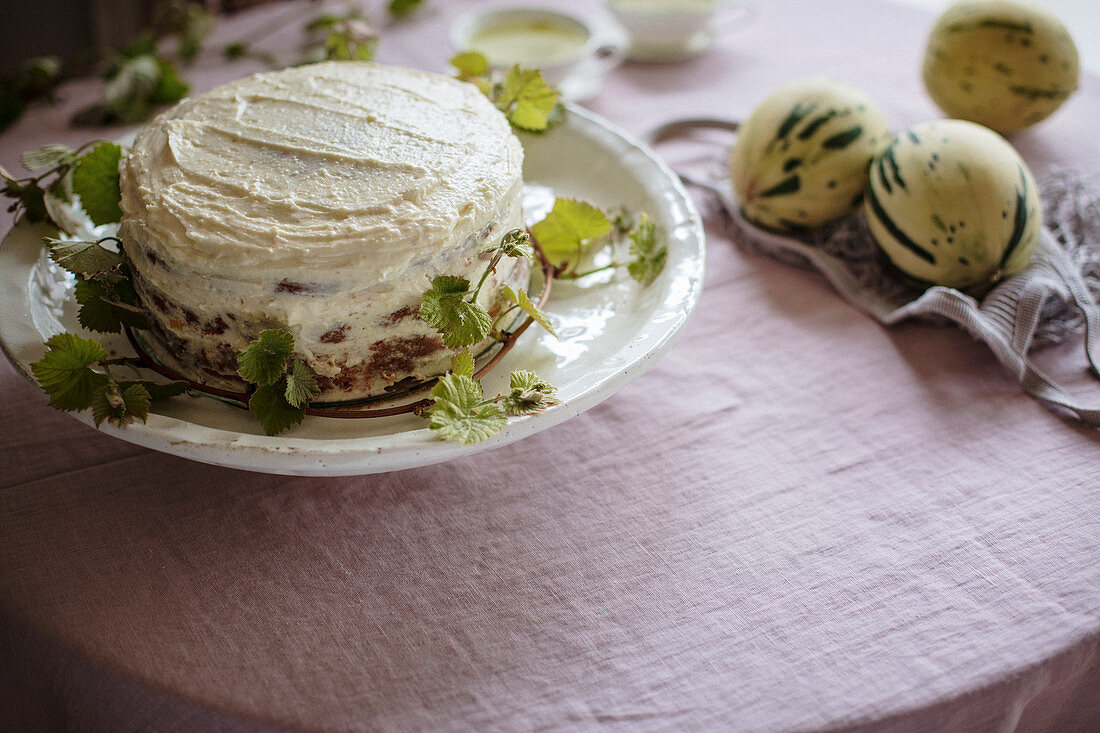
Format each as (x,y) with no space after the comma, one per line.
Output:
(72,28)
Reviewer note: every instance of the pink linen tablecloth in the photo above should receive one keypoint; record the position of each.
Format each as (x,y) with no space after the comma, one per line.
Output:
(797,521)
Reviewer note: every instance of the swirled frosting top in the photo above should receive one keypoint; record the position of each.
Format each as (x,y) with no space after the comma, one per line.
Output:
(334,165)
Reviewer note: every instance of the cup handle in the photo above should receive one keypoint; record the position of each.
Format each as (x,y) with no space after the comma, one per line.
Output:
(732,15)
(606,57)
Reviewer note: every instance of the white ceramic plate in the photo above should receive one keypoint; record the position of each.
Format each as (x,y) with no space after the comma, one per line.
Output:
(610,331)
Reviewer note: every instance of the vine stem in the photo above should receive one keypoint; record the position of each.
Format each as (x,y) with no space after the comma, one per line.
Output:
(579,275)
(484,276)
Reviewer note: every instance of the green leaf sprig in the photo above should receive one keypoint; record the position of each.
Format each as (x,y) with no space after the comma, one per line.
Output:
(59,174)
(451,306)
(346,37)
(76,375)
(459,411)
(327,37)
(283,386)
(529,103)
(137,80)
(104,289)
(647,260)
(574,230)
(64,176)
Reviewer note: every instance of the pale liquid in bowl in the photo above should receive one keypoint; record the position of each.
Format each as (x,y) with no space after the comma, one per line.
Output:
(529,43)
(664,7)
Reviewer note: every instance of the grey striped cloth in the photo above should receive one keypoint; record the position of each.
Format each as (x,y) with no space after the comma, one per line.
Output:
(1053,299)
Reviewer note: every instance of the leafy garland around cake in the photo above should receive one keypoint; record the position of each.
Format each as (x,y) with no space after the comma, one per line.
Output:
(78,192)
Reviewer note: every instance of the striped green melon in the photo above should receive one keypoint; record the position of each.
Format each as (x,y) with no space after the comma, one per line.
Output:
(800,160)
(1001,63)
(951,202)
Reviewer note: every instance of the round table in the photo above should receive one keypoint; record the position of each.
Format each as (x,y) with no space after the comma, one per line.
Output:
(797,521)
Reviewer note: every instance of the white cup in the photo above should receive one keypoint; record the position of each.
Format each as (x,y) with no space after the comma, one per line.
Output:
(673,30)
(572,52)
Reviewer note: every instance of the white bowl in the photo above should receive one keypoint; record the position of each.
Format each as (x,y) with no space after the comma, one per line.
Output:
(573,52)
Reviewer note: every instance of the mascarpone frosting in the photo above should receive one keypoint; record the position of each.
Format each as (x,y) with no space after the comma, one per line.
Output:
(334,165)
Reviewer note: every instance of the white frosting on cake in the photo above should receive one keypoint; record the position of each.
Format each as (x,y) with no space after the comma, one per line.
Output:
(339,164)
(316,198)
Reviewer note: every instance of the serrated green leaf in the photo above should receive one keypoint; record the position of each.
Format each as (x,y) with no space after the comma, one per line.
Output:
(463,363)
(83,258)
(46,156)
(268,403)
(459,413)
(647,260)
(646,269)
(120,405)
(460,391)
(108,302)
(448,285)
(95,180)
(301,384)
(473,427)
(514,243)
(569,230)
(530,394)
(107,403)
(470,64)
(444,308)
(263,361)
(65,371)
(527,306)
(526,99)
(96,313)
(643,240)
(523,379)
(470,324)
(137,400)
